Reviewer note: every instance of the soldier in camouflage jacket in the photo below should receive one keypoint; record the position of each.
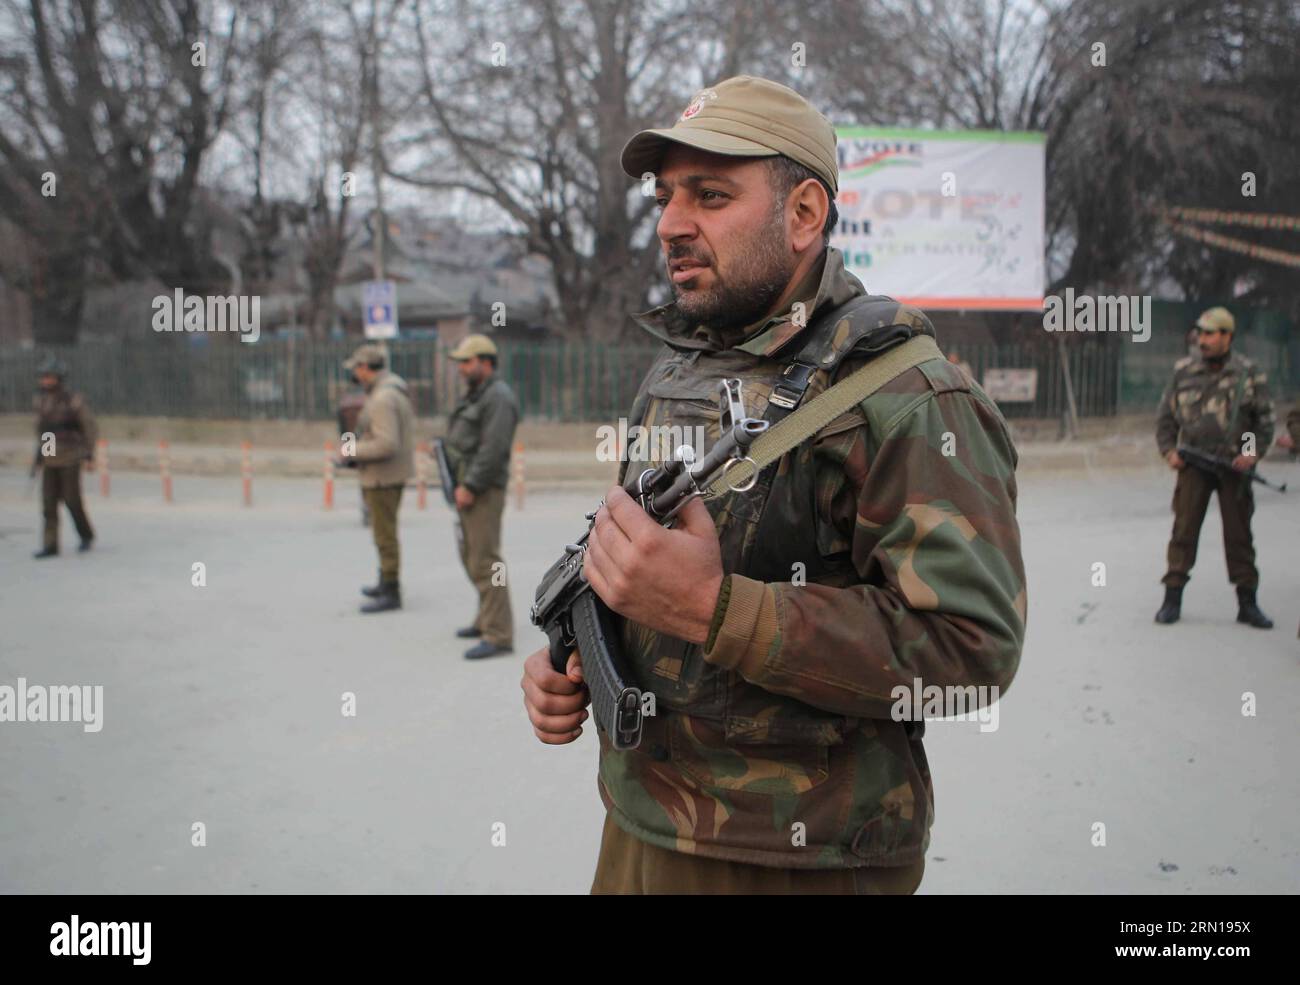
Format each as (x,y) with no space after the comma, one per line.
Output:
(775,627)
(1217,403)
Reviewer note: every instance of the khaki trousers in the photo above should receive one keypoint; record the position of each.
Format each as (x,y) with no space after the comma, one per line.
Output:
(480,552)
(383,503)
(629,866)
(1236,506)
(62,483)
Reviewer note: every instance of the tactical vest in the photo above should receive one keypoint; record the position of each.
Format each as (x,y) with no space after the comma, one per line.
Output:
(767,531)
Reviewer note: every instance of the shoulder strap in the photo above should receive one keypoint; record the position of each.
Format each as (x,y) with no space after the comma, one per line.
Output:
(825,407)
(876,323)
(788,392)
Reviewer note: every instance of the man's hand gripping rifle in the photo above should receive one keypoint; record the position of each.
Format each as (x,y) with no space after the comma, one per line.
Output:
(571,614)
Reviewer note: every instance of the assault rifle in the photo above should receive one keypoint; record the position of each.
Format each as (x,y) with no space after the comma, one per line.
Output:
(445,475)
(570,613)
(1213,463)
(447,478)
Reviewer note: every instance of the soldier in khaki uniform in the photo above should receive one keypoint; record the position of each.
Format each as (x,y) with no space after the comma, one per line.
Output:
(1217,403)
(385,445)
(65,438)
(774,623)
(479,437)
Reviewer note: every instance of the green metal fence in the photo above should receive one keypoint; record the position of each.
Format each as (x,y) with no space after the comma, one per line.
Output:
(222,378)
(279,379)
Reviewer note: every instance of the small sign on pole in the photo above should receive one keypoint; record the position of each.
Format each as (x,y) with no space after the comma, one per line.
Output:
(379,304)
(1010,386)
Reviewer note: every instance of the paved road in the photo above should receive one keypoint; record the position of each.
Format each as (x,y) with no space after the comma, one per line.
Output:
(222,705)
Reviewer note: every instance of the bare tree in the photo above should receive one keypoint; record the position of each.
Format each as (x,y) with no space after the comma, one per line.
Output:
(119,102)
(1145,104)
(528,103)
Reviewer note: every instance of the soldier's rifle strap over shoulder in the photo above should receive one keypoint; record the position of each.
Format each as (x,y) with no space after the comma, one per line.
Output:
(824,408)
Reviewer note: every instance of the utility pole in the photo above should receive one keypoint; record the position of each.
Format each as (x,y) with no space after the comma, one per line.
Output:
(1070,427)
(376,146)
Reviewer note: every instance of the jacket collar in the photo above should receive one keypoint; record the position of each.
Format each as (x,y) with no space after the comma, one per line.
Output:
(829,288)
(1223,362)
(387,379)
(475,390)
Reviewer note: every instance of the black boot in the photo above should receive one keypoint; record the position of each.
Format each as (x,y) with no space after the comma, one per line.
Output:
(372,591)
(85,545)
(389,597)
(486,649)
(46,552)
(1172,607)
(1248,611)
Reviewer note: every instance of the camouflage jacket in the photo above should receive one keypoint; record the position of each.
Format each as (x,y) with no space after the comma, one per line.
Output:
(65,415)
(1211,409)
(883,551)
(480,434)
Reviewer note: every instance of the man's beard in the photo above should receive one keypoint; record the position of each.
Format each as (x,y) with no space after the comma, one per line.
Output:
(755,279)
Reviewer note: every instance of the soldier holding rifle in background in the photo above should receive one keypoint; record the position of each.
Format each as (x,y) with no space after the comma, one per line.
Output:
(1217,406)
(479,437)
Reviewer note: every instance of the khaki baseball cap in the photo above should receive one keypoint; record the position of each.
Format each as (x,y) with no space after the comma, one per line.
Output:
(474,345)
(744,116)
(367,354)
(1220,318)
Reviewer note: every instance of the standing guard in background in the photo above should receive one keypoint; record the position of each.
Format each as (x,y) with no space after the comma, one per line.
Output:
(65,437)
(384,454)
(1216,404)
(479,437)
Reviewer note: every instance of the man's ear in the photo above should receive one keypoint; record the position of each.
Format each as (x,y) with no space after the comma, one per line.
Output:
(811,206)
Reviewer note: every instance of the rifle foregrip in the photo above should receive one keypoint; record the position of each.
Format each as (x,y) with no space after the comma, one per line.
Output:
(615,704)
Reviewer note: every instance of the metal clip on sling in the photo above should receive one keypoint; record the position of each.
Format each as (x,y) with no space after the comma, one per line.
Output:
(662,492)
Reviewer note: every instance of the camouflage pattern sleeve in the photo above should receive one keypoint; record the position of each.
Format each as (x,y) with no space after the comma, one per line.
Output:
(933,536)
(1166,422)
(1257,414)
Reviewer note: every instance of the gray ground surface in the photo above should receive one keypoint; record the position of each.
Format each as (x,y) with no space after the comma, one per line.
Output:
(222,705)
